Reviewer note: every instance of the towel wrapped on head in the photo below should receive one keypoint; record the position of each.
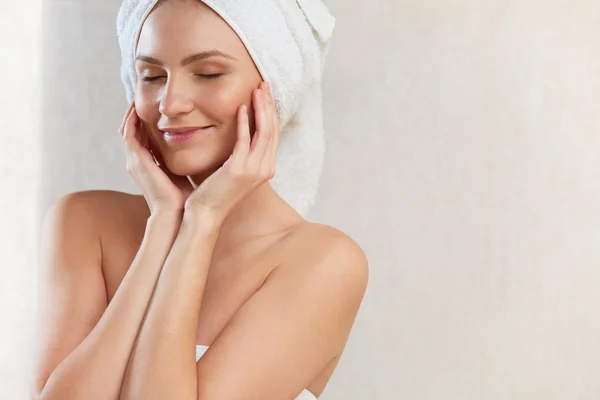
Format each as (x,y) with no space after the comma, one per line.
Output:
(288,41)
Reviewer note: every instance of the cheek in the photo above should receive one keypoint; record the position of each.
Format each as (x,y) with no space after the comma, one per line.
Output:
(226,101)
(147,110)
(144,105)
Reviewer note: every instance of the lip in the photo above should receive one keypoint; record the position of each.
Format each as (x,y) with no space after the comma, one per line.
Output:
(184,129)
(183,134)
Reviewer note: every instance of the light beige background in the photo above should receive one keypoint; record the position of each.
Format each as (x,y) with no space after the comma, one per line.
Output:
(463,155)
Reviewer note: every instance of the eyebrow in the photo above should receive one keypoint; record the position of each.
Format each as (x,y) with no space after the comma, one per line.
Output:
(194,57)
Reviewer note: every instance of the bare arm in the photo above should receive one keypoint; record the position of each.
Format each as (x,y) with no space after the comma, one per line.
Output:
(85,344)
(295,325)
(163,364)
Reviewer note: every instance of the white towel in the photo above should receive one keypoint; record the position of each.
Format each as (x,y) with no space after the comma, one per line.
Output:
(288,41)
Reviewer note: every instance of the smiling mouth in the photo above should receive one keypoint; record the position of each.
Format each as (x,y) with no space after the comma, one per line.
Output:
(175,131)
(185,135)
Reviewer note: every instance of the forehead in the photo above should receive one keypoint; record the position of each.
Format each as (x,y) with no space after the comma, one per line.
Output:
(187,25)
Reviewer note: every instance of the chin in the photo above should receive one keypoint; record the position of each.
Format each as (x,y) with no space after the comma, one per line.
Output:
(183,165)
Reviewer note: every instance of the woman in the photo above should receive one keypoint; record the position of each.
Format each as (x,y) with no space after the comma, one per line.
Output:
(209,256)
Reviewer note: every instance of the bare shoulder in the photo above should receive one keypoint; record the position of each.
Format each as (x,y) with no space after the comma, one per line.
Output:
(297,323)
(110,211)
(84,212)
(332,268)
(331,246)
(73,294)
(323,258)
(117,219)
(333,262)
(100,202)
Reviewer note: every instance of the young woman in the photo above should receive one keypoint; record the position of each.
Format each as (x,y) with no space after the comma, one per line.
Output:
(133,283)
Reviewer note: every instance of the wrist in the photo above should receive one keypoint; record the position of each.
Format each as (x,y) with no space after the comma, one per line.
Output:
(202,218)
(166,215)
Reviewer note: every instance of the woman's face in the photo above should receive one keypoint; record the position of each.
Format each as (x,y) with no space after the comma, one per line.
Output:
(204,91)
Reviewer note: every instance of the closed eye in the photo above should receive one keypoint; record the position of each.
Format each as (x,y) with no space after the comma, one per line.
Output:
(153,78)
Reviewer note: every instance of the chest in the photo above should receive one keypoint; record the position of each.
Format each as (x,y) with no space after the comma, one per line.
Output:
(232,279)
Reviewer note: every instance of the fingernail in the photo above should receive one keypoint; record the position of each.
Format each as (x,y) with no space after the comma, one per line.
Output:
(260,93)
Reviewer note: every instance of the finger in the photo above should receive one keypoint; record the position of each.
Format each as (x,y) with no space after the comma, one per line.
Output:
(276,139)
(129,137)
(263,131)
(121,129)
(268,161)
(242,145)
(267,164)
(271,106)
(271,155)
(144,138)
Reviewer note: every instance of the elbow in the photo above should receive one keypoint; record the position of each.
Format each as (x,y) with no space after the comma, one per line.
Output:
(36,392)
(37,395)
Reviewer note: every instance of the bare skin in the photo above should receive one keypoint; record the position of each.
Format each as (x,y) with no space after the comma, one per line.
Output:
(104,250)
(234,275)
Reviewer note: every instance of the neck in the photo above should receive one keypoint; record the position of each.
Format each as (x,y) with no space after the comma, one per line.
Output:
(260,214)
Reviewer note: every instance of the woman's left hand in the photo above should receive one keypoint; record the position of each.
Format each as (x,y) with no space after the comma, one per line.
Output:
(251,164)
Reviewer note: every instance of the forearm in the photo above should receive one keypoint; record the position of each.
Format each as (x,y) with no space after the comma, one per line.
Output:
(95,369)
(163,363)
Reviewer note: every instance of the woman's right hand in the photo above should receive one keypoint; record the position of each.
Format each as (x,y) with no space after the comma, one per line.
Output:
(162,190)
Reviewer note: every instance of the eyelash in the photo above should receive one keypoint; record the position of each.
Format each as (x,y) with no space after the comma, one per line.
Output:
(153,78)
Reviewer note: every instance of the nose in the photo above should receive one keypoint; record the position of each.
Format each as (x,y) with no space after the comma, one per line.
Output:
(176,99)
